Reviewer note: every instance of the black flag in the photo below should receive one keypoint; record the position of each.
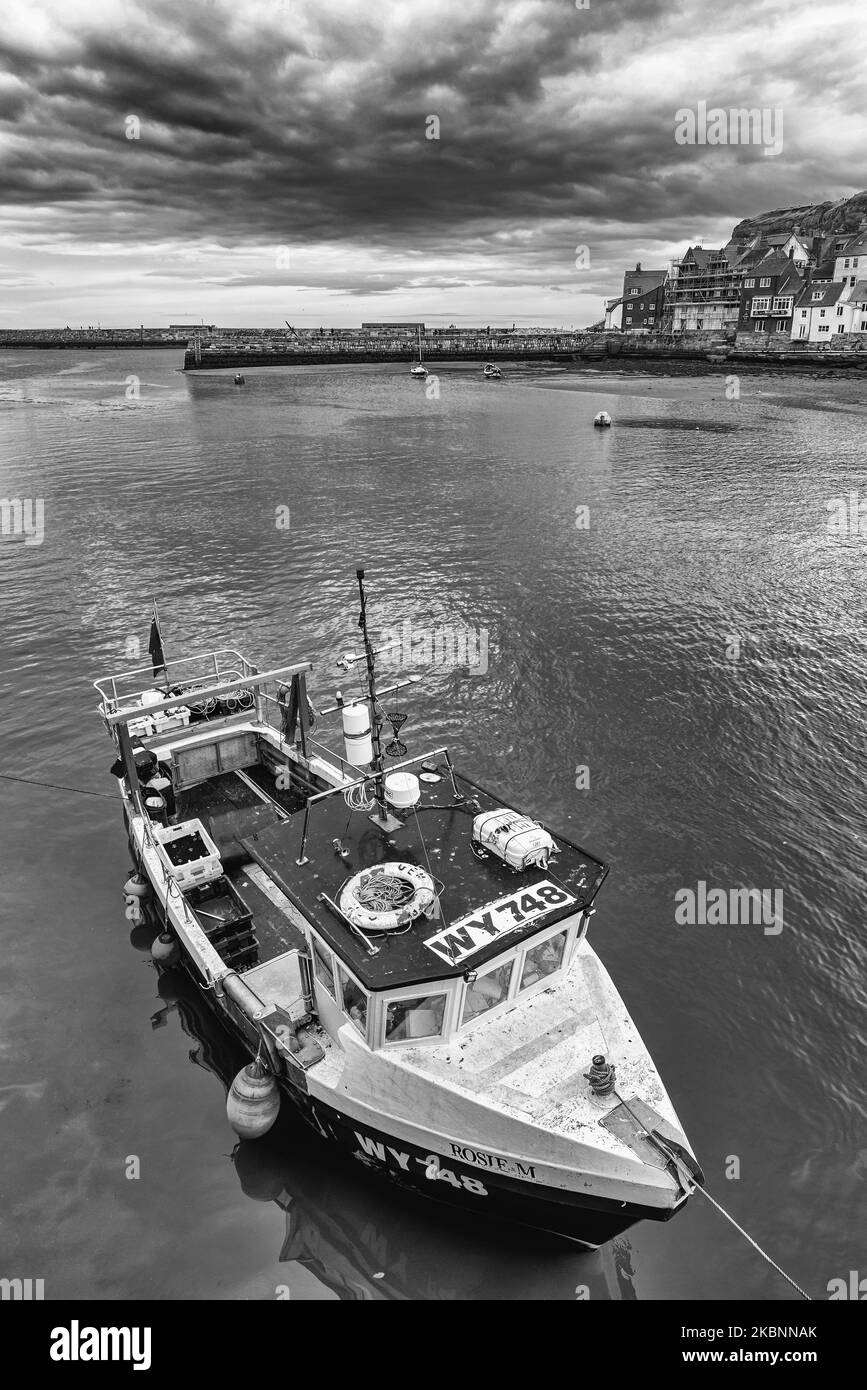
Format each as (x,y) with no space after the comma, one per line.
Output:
(155,647)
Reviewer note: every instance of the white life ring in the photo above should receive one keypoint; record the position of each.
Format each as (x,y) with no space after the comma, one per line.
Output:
(364,899)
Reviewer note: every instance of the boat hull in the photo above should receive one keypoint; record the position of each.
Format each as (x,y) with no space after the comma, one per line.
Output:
(580,1218)
(587,1221)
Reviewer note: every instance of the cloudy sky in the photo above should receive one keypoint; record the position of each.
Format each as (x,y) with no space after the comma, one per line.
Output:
(282,167)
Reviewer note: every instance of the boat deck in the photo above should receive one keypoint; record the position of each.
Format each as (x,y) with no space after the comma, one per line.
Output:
(437,837)
(259,831)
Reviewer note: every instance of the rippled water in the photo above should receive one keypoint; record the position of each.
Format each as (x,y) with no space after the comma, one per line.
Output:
(610,647)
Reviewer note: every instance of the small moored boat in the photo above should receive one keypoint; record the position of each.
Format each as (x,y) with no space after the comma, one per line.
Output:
(239,379)
(602,420)
(491,372)
(403,955)
(418,368)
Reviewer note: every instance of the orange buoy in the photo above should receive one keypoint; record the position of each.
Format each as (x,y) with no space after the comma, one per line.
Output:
(136,886)
(253,1102)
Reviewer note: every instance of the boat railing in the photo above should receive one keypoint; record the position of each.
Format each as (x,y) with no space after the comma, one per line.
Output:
(273,711)
(209,675)
(127,687)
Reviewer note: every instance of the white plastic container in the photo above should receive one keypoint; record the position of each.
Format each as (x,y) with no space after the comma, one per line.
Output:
(196,871)
(171,719)
(517,840)
(356,735)
(402,790)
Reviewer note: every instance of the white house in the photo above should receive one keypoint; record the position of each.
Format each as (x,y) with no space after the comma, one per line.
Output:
(818,313)
(850,264)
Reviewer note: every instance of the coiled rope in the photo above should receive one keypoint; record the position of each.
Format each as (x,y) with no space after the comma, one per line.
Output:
(379,893)
(357,797)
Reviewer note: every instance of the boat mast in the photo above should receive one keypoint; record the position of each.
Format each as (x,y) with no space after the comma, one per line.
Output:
(384,819)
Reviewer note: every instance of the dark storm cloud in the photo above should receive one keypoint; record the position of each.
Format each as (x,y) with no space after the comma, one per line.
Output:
(304,124)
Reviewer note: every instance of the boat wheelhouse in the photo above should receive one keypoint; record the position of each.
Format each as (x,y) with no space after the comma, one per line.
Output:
(404,954)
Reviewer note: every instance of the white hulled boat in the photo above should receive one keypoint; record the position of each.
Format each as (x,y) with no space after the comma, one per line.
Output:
(418,368)
(405,955)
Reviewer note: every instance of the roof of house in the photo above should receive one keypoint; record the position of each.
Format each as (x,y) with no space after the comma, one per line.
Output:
(830,293)
(856,247)
(645,280)
(859,293)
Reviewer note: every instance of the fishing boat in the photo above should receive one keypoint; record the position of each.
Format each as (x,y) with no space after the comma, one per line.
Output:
(491,372)
(361,1237)
(418,368)
(602,420)
(403,954)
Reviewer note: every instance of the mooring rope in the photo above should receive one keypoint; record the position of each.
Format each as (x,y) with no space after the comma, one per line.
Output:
(664,1149)
(746,1235)
(56,786)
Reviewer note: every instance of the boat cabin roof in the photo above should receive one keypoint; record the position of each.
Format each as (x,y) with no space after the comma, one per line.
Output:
(481,908)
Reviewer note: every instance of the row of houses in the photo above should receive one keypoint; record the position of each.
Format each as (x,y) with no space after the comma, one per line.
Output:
(790,284)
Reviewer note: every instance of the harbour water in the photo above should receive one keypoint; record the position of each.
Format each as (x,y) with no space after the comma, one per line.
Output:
(675,673)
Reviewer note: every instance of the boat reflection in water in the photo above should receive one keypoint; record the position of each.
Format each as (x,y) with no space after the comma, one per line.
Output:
(363,1239)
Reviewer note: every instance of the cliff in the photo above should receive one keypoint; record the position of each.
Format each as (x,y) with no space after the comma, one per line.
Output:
(812,218)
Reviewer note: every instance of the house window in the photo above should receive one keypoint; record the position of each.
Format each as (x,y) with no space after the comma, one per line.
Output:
(543,960)
(487,991)
(629,320)
(749,284)
(824,328)
(854,262)
(783,304)
(641,305)
(420,1017)
(760,325)
(354,1000)
(817,294)
(864,325)
(821,313)
(802,330)
(699,323)
(839,311)
(761,305)
(851,279)
(841,328)
(803,313)
(764,284)
(782,326)
(322,967)
(650,319)
(846,263)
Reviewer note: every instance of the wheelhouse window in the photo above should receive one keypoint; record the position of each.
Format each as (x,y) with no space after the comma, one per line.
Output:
(354,1000)
(543,960)
(323,968)
(419,1017)
(487,991)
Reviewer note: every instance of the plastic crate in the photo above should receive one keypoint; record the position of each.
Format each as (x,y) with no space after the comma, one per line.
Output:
(188,868)
(171,719)
(142,727)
